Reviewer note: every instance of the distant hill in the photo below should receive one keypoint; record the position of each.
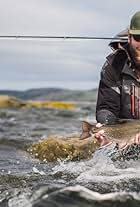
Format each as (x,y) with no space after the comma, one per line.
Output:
(53,94)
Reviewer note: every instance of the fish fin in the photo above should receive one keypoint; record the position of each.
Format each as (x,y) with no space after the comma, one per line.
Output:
(86,127)
(85,135)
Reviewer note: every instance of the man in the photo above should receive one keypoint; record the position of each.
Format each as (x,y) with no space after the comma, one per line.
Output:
(119,87)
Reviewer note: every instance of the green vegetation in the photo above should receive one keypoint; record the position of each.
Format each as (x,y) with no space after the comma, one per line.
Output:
(12,102)
(68,148)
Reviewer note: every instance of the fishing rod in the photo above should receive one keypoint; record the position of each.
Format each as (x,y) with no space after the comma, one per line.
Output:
(60,37)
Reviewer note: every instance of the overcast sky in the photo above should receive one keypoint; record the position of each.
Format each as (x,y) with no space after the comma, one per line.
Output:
(75,64)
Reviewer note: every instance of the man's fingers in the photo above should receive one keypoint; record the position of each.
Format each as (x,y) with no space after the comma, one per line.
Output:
(137,139)
(124,147)
(98,125)
(99,134)
(101,138)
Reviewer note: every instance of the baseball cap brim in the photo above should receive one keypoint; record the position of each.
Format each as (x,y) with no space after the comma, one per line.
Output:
(134,32)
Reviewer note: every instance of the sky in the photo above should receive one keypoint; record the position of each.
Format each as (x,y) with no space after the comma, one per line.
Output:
(72,64)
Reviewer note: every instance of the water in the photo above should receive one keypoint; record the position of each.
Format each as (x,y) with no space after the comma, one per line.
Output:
(24,180)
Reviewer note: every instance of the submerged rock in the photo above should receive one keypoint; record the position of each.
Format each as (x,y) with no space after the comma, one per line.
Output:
(69,148)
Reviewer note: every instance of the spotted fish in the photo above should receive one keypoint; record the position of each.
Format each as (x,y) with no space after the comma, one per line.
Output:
(123,130)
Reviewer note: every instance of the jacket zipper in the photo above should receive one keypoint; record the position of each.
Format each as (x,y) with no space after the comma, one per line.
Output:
(133,100)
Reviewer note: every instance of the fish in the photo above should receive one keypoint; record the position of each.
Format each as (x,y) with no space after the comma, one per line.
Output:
(123,130)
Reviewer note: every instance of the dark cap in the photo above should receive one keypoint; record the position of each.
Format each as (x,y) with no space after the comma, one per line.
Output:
(119,40)
(135,24)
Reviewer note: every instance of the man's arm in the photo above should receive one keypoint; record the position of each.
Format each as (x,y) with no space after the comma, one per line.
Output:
(108,102)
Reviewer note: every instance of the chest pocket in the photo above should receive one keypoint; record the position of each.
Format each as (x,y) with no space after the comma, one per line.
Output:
(131,99)
(135,100)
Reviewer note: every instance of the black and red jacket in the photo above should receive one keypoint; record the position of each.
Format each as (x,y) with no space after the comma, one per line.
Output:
(119,88)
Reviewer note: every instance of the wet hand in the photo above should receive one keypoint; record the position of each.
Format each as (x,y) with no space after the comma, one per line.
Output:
(101,137)
(135,140)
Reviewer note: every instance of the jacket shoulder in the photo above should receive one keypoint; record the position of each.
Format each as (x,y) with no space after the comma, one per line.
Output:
(117,59)
(113,67)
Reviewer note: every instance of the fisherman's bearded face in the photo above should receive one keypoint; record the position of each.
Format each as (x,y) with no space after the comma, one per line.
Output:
(135,51)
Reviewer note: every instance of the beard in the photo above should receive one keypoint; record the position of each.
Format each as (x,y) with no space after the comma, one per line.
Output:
(135,53)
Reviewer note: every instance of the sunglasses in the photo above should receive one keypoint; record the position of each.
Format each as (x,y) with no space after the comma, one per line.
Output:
(136,38)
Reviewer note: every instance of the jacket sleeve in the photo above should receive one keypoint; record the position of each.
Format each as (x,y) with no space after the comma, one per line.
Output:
(108,101)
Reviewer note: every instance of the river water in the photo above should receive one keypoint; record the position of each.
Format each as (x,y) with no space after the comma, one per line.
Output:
(24,180)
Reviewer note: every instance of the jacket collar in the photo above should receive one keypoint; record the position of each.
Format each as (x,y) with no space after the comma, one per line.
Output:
(129,67)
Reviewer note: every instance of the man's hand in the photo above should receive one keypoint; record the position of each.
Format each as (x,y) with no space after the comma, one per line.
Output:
(121,146)
(134,140)
(100,136)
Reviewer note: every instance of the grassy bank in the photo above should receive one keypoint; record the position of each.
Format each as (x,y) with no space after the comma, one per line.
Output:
(12,102)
